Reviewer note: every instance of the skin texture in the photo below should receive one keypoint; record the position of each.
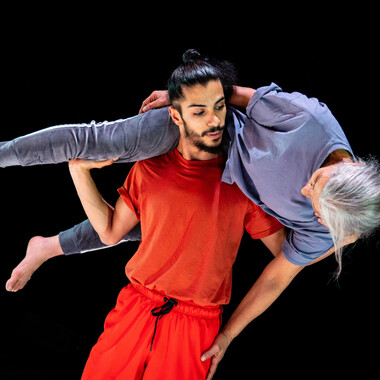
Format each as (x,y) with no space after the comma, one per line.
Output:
(201,123)
(200,117)
(320,177)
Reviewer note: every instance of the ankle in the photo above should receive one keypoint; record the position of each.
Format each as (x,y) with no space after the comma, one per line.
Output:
(48,247)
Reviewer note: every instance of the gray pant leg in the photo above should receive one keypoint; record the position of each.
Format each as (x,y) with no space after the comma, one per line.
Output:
(133,139)
(82,238)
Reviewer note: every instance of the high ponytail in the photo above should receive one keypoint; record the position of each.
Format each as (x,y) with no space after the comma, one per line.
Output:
(197,69)
(191,55)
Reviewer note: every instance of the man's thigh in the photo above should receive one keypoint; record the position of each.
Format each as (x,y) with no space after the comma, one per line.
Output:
(135,345)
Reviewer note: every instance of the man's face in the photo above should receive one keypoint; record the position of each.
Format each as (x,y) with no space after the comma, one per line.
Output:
(203,114)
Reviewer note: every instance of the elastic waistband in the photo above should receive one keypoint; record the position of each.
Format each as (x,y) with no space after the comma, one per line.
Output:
(184,307)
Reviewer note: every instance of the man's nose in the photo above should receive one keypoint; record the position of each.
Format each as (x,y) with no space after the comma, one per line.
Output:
(214,120)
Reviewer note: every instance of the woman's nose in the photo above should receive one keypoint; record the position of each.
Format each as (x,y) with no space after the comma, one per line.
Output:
(307,190)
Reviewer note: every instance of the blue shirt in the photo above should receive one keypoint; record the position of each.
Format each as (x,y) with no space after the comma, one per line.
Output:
(273,153)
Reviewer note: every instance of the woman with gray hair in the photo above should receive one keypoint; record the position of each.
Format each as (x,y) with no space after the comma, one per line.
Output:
(286,136)
(285,141)
(346,199)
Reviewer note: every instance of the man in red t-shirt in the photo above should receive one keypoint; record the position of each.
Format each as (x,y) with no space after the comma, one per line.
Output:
(191,224)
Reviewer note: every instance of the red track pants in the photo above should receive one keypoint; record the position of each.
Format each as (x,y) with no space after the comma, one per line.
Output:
(146,336)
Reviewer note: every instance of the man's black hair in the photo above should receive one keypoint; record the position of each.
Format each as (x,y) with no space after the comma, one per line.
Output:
(196,69)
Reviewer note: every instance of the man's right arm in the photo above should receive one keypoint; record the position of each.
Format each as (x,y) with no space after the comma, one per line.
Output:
(132,139)
(111,224)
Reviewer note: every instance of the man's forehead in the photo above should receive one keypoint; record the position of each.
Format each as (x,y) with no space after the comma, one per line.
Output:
(200,94)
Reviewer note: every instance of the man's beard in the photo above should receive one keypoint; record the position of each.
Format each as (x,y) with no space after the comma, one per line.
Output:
(198,142)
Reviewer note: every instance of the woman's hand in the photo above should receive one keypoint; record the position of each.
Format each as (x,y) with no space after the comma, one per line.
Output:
(156,99)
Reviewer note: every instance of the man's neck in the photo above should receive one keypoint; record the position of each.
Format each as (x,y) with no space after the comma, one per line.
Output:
(191,153)
(337,156)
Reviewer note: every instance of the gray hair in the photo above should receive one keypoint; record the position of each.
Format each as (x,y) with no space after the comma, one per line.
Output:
(350,203)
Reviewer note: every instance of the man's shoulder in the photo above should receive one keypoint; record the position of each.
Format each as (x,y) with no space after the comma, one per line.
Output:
(154,161)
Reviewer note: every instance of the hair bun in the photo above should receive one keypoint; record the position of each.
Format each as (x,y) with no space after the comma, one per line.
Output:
(190,55)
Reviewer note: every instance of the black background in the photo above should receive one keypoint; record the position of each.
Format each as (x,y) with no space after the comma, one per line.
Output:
(70,66)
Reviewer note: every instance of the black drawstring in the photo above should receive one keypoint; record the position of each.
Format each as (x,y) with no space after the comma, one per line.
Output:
(160,311)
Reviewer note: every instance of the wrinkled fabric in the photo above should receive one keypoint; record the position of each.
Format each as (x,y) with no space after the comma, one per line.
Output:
(273,154)
(124,351)
(192,224)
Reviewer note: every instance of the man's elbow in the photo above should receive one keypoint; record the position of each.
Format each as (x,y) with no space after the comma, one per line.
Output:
(109,239)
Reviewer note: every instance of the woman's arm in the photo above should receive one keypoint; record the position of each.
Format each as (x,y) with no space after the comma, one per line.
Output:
(111,224)
(241,96)
(160,98)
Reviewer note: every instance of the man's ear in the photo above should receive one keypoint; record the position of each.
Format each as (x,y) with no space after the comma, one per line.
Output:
(175,115)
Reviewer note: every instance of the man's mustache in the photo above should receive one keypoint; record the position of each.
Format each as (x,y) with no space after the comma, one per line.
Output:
(213,130)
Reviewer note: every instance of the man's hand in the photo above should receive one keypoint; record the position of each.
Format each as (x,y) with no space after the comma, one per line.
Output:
(79,163)
(216,352)
(156,99)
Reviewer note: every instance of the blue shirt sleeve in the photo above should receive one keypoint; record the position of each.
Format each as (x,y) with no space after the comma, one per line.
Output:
(303,247)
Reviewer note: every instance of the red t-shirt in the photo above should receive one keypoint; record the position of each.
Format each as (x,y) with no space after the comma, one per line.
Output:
(191,224)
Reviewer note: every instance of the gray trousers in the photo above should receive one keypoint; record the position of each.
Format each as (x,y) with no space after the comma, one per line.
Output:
(133,139)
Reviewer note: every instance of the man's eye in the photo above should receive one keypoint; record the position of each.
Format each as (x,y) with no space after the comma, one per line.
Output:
(199,113)
(220,107)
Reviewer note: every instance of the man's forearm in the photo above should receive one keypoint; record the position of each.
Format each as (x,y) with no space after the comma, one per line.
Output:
(273,281)
(97,210)
(277,275)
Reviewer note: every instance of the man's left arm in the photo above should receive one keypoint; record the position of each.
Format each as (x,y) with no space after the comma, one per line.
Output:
(277,275)
(275,278)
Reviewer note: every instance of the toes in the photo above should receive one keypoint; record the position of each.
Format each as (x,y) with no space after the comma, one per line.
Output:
(11,286)
(8,287)
(17,281)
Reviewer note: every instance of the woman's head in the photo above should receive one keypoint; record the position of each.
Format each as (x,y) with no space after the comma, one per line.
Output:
(346,198)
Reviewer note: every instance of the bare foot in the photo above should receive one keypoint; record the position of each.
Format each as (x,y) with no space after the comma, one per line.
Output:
(38,251)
